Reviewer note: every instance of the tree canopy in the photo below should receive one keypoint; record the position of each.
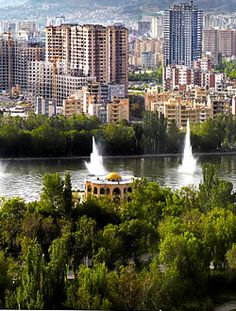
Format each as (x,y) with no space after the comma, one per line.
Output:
(165,249)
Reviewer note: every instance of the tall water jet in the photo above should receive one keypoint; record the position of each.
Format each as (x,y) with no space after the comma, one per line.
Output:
(95,166)
(188,165)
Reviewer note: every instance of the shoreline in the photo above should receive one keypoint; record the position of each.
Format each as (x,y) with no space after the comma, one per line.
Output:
(138,156)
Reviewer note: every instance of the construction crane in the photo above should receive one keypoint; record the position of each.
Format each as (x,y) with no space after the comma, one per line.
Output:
(54,77)
(9,59)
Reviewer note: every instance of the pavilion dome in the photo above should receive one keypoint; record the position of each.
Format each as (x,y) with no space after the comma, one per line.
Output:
(113,176)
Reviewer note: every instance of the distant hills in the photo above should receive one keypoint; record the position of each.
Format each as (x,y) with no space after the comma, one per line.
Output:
(133,5)
(162,4)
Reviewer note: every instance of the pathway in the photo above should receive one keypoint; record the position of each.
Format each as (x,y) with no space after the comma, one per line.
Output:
(228,306)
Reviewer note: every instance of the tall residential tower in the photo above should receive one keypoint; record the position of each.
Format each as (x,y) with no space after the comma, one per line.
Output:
(183,26)
(90,50)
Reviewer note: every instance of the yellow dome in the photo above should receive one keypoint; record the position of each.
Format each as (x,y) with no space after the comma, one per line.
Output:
(113,176)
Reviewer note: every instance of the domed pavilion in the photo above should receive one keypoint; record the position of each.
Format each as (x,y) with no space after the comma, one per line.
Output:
(112,185)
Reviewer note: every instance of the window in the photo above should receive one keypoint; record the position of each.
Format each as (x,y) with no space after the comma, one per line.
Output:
(116,191)
(89,188)
(129,190)
(102,191)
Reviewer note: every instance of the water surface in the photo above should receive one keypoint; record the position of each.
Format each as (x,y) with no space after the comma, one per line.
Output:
(24,177)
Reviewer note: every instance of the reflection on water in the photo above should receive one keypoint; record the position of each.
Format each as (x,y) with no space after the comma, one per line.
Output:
(24,178)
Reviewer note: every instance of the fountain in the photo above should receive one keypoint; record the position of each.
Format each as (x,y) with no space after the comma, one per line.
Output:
(95,166)
(188,165)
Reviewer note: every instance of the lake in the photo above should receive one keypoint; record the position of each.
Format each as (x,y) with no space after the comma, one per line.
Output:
(24,177)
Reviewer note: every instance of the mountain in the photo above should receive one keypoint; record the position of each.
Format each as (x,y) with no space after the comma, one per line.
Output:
(162,4)
(15,9)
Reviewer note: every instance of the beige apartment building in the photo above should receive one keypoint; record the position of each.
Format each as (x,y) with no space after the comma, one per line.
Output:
(73,105)
(227,42)
(142,46)
(198,105)
(90,50)
(58,43)
(89,46)
(89,102)
(118,110)
(220,41)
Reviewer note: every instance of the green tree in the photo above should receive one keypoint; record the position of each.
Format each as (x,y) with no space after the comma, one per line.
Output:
(67,192)
(56,272)
(84,240)
(4,279)
(173,137)
(131,288)
(231,257)
(52,198)
(218,235)
(110,245)
(154,132)
(91,292)
(213,191)
(11,214)
(30,294)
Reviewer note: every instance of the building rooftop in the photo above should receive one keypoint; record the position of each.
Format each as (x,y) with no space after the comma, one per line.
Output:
(111,178)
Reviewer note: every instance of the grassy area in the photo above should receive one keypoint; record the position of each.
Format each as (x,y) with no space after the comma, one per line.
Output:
(136,92)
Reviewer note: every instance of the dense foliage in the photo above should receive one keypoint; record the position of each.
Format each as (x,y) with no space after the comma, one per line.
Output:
(148,76)
(229,67)
(164,249)
(40,136)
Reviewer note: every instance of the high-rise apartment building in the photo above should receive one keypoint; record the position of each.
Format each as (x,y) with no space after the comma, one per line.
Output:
(90,50)
(15,57)
(220,41)
(118,55)
(227,42)
(58,43)
(183,25)
(210,41)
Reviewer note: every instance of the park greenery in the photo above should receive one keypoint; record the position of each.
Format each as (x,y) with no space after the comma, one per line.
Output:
(228,67)
(40,136)
(147,76)
(165,249)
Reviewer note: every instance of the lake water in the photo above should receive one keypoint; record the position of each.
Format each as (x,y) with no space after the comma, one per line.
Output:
(24,177)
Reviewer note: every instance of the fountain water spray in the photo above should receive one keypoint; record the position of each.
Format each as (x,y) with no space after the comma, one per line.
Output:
(95,166)
(188,165)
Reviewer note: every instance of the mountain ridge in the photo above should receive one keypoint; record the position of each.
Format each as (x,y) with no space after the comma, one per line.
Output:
(161,4)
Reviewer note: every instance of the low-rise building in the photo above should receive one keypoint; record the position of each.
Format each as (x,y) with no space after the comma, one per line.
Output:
(113,185)
(99,100)
(197,104)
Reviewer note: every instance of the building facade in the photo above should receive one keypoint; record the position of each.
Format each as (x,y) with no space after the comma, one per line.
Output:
(183,26)
(15,56)
(90,50)
(113,185)
(221,41)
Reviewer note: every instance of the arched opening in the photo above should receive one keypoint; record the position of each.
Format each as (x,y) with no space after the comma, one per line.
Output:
(89,188)
(107,191)
(125,190)
(102,191)
(129,190)
(95,190)
(116,191)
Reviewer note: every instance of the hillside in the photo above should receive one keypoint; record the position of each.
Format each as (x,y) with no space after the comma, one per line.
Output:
(162,4)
